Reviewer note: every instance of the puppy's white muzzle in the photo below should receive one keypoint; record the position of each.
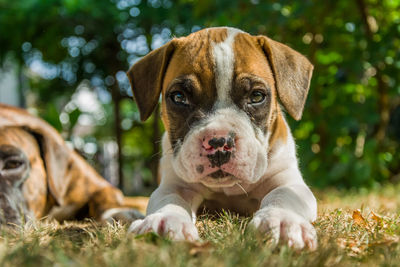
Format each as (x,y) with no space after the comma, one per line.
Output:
(222,151)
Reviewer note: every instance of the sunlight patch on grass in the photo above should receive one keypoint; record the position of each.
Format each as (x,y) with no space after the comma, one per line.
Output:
(353,229)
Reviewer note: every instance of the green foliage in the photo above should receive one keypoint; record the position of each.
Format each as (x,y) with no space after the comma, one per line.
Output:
(349,135)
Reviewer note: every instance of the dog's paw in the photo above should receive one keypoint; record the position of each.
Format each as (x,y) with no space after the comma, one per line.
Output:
(124,215)
(171,225)
(285,226)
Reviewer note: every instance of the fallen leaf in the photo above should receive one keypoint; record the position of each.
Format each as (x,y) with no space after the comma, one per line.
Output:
(376,217)
(341,242)
(356,249)
(386,240)
(359,219)
(199,247)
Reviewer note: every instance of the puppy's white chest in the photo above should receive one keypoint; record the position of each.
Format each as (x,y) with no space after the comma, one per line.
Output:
(242,204)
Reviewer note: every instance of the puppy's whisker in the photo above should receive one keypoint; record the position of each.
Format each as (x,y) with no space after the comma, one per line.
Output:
(159,141)
(241,187)
(166,152)
(156,154)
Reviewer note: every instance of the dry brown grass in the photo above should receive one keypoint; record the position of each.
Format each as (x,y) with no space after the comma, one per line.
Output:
(354,228)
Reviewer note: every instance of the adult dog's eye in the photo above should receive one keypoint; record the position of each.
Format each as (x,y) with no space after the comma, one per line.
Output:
(179,98)
(257,97)
(12,164)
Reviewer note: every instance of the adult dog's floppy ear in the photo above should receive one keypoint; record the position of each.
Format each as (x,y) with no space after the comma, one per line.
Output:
(146,78)
(71,181)
(292,73)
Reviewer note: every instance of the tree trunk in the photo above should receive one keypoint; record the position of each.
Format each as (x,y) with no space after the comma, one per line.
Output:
(21,86)
(383,98)
(118,133)
(317,89)
(156,145)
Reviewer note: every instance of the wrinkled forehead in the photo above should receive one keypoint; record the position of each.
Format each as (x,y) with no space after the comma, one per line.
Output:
(19,139)
(215,56)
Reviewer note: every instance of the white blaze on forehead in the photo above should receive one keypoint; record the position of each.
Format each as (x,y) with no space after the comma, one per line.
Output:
(224,60)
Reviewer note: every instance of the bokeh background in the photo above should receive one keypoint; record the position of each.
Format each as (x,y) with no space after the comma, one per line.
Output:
(65,61)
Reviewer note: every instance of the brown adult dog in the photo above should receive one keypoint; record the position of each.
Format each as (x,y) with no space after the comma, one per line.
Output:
(40,176)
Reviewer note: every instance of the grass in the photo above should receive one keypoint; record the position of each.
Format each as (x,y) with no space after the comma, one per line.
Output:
(354,229)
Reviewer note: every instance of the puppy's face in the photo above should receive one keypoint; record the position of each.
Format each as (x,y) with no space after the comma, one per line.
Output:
(216,108)
(219,104)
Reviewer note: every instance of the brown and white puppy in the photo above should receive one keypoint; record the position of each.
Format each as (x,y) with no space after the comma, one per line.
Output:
(40,176)
(227,144)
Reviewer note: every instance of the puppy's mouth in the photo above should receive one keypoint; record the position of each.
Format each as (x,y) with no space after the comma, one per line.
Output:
(219,179)
(219,174)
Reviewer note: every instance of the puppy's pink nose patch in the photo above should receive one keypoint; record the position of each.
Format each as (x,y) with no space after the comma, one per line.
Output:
(213,144)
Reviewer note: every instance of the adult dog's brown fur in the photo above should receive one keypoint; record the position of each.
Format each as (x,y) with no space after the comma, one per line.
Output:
(57,181)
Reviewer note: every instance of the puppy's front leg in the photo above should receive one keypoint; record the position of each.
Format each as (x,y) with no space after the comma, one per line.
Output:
(171,212)
(287,212)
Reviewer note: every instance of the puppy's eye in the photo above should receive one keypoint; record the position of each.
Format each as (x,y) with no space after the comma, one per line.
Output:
(257,97)
(179,98)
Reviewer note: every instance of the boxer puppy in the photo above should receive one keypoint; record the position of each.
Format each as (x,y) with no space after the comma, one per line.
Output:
(40,176)
(227,144)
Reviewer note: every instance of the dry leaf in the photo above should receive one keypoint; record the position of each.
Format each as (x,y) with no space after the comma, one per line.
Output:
(356,249)
(376,217)
(358,218)
(386,240)
(199,247)
(341,242)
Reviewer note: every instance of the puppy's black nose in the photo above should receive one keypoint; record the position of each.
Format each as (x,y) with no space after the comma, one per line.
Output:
(217,142)
(219,149)
(221,142)
(219,158)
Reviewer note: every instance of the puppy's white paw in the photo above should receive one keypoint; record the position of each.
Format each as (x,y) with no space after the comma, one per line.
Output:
(286,226)
(172,225)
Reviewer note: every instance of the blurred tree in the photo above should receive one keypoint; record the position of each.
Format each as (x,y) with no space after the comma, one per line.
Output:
(349,134)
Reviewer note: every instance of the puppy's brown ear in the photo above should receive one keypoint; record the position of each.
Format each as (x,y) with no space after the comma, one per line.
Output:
(146,78)
(292,73)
